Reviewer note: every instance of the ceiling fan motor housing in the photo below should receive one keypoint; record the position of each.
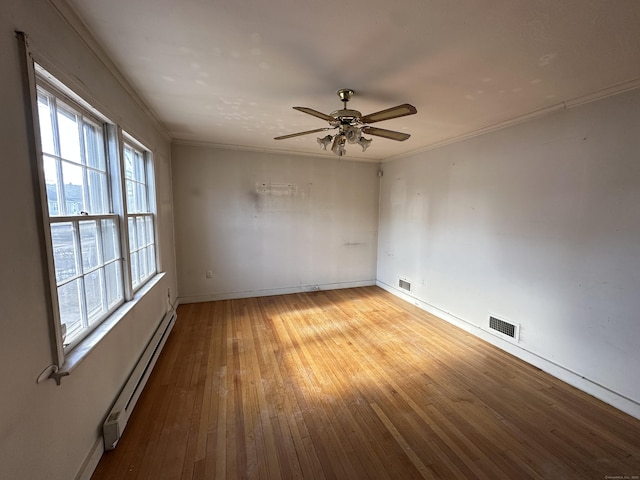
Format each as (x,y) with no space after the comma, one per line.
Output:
(346,116)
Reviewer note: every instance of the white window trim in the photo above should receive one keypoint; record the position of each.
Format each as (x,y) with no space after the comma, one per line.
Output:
(151,200)
(64,362)
(81,351)
(77,219)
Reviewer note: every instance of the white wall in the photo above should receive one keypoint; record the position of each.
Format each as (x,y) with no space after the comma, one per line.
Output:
(48,431)
(539,224)
(268,223)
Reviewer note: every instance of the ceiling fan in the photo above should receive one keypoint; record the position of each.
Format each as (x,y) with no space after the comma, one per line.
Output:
(351,125)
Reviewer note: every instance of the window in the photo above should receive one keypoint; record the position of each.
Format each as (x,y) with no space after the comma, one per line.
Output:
(98,184)
(139,217)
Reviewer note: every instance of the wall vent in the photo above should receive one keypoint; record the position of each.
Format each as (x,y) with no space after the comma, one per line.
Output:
(404,285)
(505,329)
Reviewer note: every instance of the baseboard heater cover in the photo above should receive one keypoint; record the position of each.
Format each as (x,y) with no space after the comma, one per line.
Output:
(118,417)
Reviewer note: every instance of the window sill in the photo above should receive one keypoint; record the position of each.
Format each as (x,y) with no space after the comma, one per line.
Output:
(82,350)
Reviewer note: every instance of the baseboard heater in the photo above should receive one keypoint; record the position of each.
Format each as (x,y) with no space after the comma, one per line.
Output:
(119,415)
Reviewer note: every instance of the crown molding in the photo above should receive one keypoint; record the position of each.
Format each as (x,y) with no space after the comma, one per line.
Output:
(564,105)
(75,22)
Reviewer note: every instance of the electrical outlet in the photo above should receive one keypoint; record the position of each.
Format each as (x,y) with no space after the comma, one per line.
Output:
(209,273)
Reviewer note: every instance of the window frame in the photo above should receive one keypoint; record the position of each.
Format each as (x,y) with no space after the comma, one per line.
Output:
(150,213)
(67,355)
(86,323)
(89,323)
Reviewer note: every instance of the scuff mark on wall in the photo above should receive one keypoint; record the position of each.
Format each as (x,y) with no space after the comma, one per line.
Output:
(282,197)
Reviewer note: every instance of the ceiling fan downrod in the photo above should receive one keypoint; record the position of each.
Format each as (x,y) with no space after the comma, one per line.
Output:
(345,95)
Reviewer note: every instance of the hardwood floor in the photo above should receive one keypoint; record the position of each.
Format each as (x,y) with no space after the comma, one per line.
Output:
(351,384)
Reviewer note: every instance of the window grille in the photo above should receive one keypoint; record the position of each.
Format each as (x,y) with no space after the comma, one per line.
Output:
(102,242)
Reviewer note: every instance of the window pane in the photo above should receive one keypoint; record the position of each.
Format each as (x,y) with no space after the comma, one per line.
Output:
(46,128)
(69,136)
(141,197)
(94,146)
(93,286)
(51,183)
(133,244)
(110,245)
(69,300)
(98,196)
(149,224)
(72,178)
(89,245)
(143,261)
(139,167)
(151,256)
(141,229)
(113,283)
(64,251)
(135,275)
(131,196)
(128,163)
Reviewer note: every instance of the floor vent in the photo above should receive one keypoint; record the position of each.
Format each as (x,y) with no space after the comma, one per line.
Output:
(404,285)
(505,329)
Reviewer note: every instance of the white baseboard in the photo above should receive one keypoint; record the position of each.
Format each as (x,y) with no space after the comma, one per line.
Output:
(92,460)
(273,291)
(574,379)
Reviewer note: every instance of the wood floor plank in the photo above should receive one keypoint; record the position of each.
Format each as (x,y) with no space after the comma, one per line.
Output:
(215,450)
(426,472)
(357,384)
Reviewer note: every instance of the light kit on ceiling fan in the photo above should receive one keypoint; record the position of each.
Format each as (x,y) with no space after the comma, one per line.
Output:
(351,125)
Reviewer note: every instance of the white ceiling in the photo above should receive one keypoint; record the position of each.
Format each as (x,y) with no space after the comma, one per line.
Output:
(228,72)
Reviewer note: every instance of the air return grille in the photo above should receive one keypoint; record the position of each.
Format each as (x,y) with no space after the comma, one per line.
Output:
(504,328)
(404,285)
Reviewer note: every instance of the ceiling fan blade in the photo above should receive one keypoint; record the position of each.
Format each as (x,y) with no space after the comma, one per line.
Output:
(389,113)
(302,133)
(390,134)
(315,113)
